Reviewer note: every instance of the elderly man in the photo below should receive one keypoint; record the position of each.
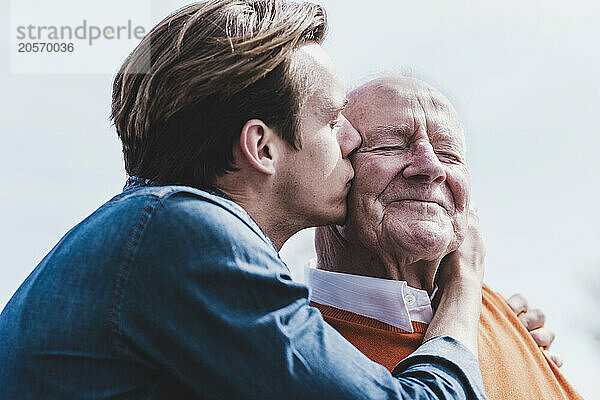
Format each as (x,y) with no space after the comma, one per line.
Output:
(407,210)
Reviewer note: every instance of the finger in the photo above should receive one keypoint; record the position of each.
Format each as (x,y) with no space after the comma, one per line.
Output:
(543,336)
(533,319)
(518,303)
(556,359)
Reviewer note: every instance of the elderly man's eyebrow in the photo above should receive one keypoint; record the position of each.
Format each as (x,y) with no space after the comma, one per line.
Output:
(440,133)
(391,129)
(388,131)
(444,134)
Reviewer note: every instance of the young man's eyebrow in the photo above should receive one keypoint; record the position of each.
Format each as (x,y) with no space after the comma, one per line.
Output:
(336,109)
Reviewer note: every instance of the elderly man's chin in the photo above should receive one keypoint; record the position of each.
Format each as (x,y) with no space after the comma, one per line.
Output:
(421,239)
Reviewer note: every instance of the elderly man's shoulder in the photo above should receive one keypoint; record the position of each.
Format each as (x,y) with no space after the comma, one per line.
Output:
(495,311)
(505,343)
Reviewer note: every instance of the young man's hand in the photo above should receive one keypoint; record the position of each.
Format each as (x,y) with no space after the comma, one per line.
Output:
(467,262)
(459,279)
(534,319)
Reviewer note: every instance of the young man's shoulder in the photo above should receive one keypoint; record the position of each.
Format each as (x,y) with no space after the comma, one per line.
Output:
(186,215)
(184,205)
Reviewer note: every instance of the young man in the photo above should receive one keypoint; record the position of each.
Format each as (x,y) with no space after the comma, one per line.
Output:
(233,140)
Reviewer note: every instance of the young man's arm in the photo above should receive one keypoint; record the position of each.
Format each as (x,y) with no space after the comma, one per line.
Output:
(211,304)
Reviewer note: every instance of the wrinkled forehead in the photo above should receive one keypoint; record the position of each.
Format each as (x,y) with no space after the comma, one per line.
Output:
(402,106)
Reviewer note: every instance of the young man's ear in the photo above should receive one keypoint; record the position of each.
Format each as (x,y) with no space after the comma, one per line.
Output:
(259,144)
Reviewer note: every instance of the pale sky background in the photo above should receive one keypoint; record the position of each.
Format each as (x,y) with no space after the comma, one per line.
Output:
(523,76)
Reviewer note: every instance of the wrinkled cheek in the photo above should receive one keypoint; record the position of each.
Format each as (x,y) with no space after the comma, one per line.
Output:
(461,224)
(362,217)
(359,200)
(353,216)
(364,210)
(461,191)
(460,185)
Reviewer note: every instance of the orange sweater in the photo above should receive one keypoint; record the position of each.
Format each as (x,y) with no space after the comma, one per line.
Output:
(512,365)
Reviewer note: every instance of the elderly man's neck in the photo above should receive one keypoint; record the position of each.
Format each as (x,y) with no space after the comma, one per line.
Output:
(335,254)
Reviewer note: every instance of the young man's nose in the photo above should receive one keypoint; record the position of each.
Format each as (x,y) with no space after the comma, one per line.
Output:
(348,137)
(424,164)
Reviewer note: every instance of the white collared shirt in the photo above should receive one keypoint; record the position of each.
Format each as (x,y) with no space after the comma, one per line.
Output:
(389,301)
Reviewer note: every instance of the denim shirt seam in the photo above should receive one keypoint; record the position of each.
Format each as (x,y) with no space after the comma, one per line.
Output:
(223,201)
(124,272)
(234,209)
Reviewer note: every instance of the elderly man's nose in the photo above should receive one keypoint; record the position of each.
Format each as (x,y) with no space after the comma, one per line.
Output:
(348,137)
(424,164)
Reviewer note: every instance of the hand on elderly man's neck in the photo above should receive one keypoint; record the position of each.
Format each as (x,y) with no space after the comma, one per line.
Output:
(460,277)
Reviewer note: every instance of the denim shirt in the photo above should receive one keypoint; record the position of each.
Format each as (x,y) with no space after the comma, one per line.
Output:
(174,292)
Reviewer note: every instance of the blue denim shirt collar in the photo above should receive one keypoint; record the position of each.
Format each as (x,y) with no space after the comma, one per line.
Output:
(134,182)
